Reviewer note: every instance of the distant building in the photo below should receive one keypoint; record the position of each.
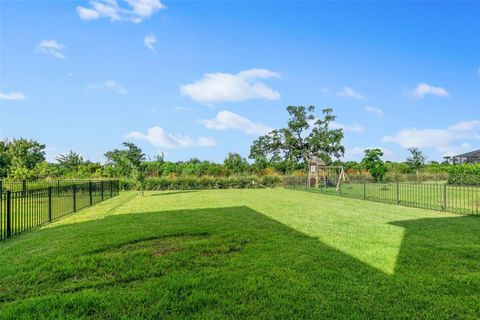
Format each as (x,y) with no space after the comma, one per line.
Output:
(469,157)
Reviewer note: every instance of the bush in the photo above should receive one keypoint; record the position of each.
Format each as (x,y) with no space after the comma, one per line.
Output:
(464,174)
(204,182)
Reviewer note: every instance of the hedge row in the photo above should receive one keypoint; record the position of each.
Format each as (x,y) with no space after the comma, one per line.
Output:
(205,182)
(464,174)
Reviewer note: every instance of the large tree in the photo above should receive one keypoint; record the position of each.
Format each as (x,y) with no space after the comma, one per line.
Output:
(306,136)
(23,155)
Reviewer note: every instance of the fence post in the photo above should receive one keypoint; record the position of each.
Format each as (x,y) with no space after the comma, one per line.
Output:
(50,203)
(74,189)
(444,197)
(1,186)
(398,192)
(24,185)
(101,189)
(364,189)
(340,188)
(90,191)
(111,189)
(477,189)
(8,223)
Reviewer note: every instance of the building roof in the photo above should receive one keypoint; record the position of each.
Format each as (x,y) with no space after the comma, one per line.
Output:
(473,154)
(318,161)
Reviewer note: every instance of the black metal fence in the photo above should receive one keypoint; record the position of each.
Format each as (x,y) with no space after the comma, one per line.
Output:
(22,210)
(464,199)
(22,185)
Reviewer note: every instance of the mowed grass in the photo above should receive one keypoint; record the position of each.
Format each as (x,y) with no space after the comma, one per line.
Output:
(262,254)
(458,199)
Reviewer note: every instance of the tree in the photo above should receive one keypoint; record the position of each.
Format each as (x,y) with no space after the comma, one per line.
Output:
(71,161)
(23,156)
(374,164)
(4,159)
(139,175)
(416,159)
(304,137)
(126,161)
(235,163)
(131,162)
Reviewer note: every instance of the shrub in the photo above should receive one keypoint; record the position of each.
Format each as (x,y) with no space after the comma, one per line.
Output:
(464,174)
(204,182)
(270,172)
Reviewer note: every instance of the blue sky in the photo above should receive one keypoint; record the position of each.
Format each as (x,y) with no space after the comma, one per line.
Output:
(204,78)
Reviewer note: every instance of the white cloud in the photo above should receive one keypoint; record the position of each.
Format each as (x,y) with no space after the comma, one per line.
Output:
(51,47)
(111,85)
(324,89)
(448,141)
(12,96)
(158,137)
(219,87)
(357,153)
(229,120)
(135,11)
(348,92)
(355,127)
(377,111)
(424,89)
(150,41)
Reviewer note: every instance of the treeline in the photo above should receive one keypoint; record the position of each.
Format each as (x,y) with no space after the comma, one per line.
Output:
(23,159)
(283,151)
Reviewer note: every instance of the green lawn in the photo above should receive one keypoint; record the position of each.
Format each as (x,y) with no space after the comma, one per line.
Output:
(262,254)
(458,199)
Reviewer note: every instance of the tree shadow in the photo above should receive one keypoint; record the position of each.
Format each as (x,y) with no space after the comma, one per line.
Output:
(235,262)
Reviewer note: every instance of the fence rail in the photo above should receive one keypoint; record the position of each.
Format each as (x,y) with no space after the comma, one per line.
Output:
(22,185)
(22,210)
(464,199)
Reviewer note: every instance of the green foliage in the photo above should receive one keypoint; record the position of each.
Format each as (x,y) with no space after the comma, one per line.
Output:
(70,161)
(19,157)
(305,137)
(352,165)
(398,168)
(127,162)
(235,163)
(467,173)
(416,158)
(24,159)
(203,182)
(374,164)
(4,159)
